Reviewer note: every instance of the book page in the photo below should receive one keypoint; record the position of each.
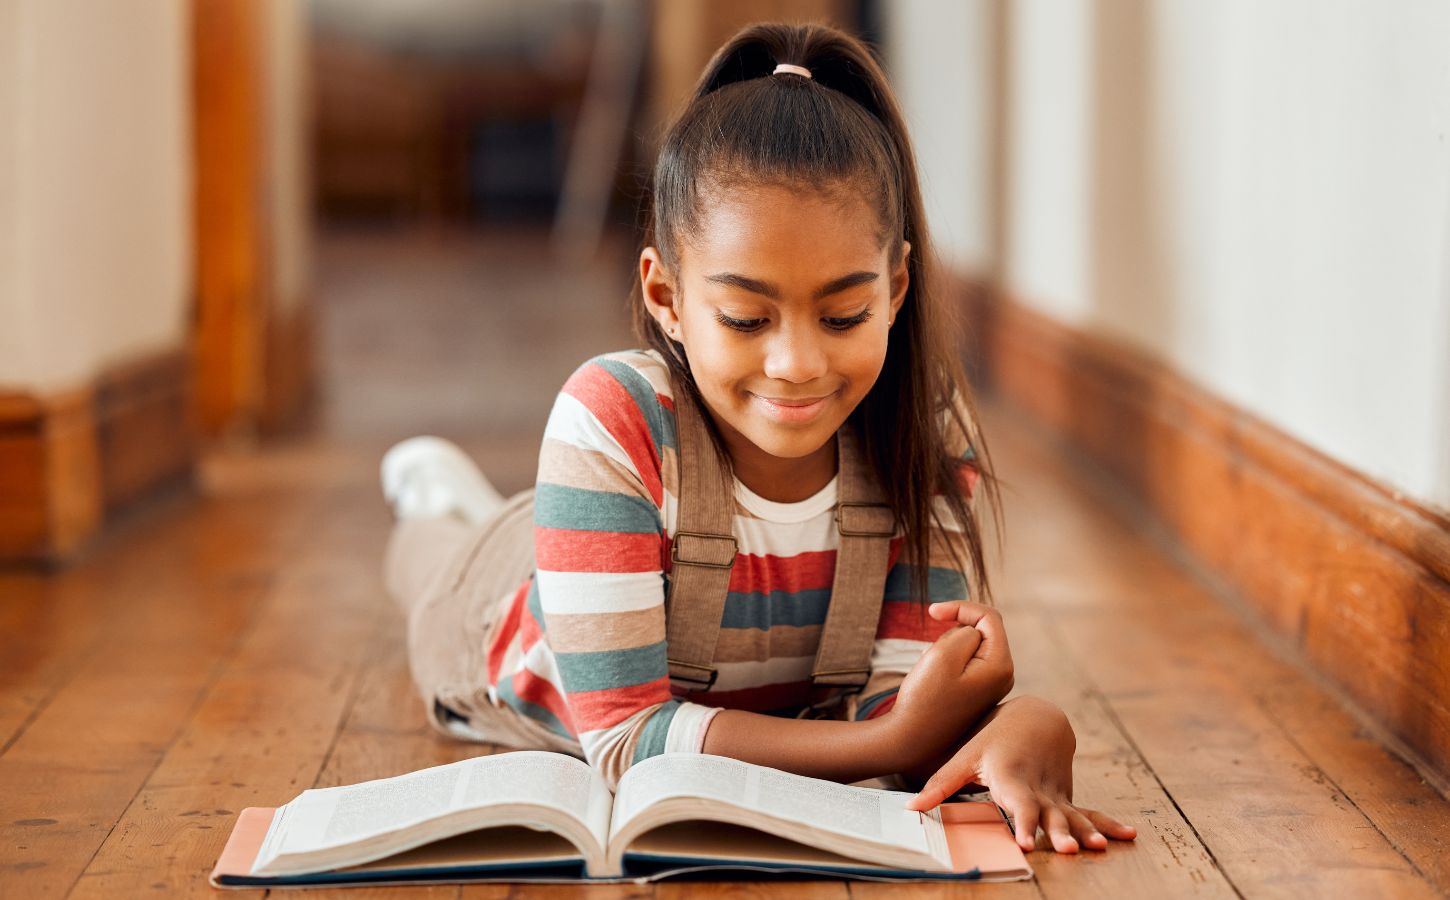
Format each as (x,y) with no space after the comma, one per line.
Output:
(870,814)
(331,817)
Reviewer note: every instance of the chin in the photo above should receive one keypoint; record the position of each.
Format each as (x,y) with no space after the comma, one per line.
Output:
(788,443)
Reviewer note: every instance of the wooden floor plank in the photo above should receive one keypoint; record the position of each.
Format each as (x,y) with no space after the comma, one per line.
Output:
(384,735)
(67,778)
(1274,821)
(260,733)
(1182,676)
(50,625)
(1411,814)
(42,643)
(1167,859)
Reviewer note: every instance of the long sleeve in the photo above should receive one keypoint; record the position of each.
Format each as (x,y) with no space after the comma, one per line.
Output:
(599,535)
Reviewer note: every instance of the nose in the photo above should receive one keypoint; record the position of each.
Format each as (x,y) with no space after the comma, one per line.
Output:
(796,353)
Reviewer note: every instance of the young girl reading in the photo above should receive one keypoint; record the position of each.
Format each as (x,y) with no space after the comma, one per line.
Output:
(754,537)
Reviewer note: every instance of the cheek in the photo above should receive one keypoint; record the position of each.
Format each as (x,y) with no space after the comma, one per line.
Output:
(861,359)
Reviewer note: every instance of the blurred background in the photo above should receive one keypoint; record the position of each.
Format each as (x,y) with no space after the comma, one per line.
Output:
(1202,251)
(223,220)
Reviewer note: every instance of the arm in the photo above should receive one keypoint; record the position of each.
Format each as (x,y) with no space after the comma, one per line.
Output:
(820,748)
(959,678)
(960,669)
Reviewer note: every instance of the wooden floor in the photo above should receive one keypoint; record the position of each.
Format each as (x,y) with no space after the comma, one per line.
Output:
(232,647)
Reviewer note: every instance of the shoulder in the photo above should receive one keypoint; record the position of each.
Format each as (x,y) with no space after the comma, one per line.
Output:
(618,403)
(623,389)
(641,374)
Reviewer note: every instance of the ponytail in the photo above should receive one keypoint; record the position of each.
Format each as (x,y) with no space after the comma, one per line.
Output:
(839,128)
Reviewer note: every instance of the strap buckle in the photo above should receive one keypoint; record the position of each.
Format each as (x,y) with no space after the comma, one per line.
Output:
(864,520)
(856,678)
(708,674)
(714,557)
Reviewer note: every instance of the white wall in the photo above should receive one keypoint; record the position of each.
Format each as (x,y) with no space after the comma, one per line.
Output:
(1257,193)
(938,60)
(13,320)
(95,186)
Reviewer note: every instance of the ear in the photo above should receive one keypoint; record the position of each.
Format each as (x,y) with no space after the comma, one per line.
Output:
(899,280)
(658,288)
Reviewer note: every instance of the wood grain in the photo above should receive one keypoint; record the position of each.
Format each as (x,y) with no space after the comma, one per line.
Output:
(289,375)
(145,431)
(264,723)
(1182,675)
(71,459)
(50,483)
(231,235)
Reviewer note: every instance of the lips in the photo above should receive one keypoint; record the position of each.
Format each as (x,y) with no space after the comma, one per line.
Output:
(786,401)
(793,410)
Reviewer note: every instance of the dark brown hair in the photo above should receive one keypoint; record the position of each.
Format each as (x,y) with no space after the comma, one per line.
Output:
(841,129)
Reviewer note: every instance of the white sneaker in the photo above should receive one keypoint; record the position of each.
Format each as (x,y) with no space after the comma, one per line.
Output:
(428,477)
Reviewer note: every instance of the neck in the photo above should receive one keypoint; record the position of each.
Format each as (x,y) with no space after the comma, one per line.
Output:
(785,480)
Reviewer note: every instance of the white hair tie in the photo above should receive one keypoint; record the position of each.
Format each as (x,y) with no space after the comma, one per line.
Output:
(793,69)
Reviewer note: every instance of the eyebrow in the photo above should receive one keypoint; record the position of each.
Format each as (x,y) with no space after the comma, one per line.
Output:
(756,286)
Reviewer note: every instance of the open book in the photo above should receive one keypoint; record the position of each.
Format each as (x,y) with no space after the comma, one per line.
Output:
(537,816)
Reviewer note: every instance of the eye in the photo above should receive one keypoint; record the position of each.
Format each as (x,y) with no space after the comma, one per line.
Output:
(848,324)
(835,324)
(739,324)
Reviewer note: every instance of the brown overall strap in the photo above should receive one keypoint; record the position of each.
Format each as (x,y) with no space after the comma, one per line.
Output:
(703,551)
(866,524)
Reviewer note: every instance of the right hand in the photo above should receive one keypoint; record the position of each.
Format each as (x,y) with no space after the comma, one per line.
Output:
(961,676)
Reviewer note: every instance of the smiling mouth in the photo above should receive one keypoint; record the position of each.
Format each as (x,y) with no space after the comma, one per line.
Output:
(783,401)
(792,410)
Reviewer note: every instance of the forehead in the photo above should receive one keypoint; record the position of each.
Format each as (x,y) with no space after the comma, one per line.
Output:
(770,231)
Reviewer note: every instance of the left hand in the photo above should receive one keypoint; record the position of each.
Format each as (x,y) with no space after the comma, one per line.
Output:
(960,678)
(1023,755)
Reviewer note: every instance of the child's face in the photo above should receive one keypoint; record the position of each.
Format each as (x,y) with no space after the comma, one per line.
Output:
(747,348)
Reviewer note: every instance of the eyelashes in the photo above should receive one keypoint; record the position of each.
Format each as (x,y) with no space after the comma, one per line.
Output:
(835,324)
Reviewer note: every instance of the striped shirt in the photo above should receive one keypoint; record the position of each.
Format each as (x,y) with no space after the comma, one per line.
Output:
(579,649)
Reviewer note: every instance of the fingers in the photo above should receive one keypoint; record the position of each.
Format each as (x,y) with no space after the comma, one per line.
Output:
(1024,813)
(965,612)
(929,797)
(983,618)
(952,651)
(1059,832)
(958,772)
(1110,826)
(1086,833)
(961,642)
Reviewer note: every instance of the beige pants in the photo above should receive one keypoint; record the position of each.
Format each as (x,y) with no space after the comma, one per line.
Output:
(450,578)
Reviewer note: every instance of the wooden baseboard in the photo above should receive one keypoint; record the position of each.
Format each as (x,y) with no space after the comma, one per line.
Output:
(288,370)
(1352,574)
(68,460)
(50,500)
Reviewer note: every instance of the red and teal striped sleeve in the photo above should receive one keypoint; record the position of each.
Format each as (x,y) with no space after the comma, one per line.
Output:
(599,534)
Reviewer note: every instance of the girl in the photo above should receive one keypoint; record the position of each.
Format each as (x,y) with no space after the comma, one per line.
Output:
(737,533)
